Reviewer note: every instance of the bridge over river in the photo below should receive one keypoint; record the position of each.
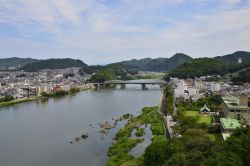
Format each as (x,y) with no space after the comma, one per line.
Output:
(123,84)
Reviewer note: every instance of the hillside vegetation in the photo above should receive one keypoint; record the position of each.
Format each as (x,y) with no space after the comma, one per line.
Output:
(206,66)
(233,58)
(53,64)
(158,64)
(16,62)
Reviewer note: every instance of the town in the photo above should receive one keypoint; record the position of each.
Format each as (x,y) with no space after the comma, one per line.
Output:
(212,103)
(19,85)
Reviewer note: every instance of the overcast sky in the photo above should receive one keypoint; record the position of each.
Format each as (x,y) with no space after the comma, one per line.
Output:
(104,31)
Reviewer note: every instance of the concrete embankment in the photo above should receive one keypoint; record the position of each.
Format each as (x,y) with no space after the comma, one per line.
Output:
(168,120)
(162,109)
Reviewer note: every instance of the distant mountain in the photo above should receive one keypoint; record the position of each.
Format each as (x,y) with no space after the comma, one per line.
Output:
(200,67)
(53,64)
(16,62)
(233,58)
(158,64)
(219,65)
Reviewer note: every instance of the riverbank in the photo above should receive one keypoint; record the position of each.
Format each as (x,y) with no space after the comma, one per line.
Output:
(18,101)
(123,142)
(47,95)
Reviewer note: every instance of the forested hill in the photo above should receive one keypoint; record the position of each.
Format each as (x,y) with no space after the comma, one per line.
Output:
(53,64)
(158,64)
(15,62)
(200,67)
(233,58)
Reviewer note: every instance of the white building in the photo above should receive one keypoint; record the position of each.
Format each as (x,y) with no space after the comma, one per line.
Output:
(239,61)
(215,87)
(198,84)
(41,89)
(65,87)
(192,91)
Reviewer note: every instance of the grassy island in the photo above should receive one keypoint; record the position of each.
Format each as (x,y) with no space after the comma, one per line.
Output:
(123,143)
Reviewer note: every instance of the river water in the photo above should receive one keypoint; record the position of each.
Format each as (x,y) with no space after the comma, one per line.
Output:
(39,133)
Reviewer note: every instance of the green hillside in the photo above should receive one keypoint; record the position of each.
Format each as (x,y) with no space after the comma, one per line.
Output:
(233,58)
(15,62)
(53,64)
(158,64)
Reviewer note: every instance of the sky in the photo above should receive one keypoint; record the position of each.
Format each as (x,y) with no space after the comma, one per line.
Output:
(105,31)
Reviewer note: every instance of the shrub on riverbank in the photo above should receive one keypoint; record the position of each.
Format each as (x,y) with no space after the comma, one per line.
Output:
(13,102)
(6,98)
(140,132)
(61,93)
(118,152)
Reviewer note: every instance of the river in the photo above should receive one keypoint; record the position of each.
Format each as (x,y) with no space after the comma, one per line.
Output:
(39,132)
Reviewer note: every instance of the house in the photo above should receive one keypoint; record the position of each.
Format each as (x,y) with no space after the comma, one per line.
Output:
(41,89)
(228,126)
(215,86)
(15,92)
(236,108)
(205,109)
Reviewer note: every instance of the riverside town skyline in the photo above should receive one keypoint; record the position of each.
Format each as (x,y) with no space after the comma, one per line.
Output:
(124,82)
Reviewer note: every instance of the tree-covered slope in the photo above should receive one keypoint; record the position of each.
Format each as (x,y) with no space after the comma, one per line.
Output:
(15,62)
(158,64)
(200,67)
(233,58)
(53,64)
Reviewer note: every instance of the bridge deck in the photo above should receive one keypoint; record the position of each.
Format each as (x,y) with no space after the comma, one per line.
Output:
(124,82)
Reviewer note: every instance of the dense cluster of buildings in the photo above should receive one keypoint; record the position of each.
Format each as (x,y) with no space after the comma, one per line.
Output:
(196,88)
(234,111)
(24,84)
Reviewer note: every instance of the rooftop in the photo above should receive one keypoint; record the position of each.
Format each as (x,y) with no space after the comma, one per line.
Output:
(228,123)
(233,102)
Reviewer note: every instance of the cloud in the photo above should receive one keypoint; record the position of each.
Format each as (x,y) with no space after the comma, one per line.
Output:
(98,30)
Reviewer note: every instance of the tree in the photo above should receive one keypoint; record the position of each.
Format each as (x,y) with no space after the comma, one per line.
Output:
(223,158)
(178,159)
(156,153)
(103,75)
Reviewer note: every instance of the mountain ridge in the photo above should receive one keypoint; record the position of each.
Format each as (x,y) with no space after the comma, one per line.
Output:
(146,64)
(53,64)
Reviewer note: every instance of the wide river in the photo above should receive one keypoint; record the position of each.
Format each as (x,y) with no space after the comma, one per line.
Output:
(39,133)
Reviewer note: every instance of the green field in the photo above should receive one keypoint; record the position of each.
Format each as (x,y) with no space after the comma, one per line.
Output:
(201,118)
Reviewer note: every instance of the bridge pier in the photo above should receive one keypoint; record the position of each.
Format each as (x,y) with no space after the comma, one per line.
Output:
(112,84)
(123,86)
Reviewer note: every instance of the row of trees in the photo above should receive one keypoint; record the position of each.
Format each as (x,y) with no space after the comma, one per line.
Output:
(194,148)
(6,98)
(111,72)
(61,93)
(169,92)
(206,66)
(244,76)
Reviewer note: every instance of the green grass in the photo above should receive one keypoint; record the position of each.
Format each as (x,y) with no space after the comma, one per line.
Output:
(140,132)
(119,159)
(159,138)
(13,102)
(118,152)
(124,145)
(212,137)
(205,119)
(191,113)
(201,118)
